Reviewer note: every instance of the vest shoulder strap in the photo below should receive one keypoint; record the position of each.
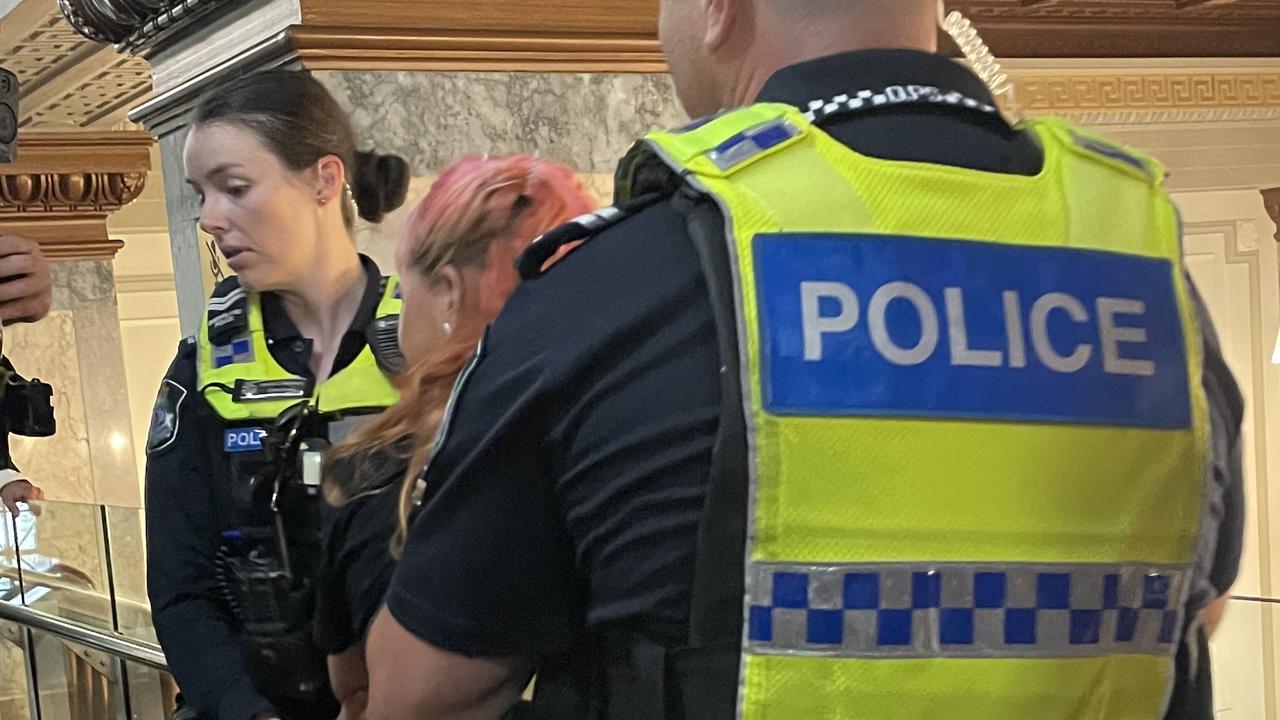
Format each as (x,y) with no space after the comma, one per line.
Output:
(726,143)
(1096,148)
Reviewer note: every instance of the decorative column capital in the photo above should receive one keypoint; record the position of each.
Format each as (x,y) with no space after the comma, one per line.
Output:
(64,185)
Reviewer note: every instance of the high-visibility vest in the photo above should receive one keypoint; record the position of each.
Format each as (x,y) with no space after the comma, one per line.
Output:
(265,388)
(975,422)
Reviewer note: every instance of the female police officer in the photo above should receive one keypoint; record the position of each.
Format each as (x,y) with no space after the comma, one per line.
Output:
(282,361)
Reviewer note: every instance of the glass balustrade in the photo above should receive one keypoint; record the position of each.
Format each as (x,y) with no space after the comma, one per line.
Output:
(76,641)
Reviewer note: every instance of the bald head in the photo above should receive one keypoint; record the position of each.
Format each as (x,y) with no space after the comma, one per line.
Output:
(721,51)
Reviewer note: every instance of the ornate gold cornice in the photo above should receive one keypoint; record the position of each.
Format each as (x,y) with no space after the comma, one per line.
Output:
(64,185)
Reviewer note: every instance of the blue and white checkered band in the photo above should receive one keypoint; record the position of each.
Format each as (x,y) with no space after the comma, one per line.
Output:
(237,351)
(861,100)
(965,610)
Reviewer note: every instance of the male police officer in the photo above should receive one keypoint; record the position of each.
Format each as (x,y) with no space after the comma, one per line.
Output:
(861,403)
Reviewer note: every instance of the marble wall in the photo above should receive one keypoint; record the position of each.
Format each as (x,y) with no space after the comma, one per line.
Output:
(585,120)
(77,350)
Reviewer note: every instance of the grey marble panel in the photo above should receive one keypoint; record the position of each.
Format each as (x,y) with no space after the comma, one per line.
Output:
(584,119)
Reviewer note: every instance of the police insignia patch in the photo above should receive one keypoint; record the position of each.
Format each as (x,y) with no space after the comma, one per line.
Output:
(164,416)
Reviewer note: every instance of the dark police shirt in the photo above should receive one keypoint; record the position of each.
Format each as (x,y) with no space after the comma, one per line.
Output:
(568,491)
(356,564)
(189,478)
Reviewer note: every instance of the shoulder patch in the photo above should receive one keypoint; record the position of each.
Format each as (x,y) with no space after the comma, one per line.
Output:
(227,312)
(164,416)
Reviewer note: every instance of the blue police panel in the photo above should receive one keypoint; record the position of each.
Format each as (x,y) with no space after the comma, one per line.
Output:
(243,439)
(905,326)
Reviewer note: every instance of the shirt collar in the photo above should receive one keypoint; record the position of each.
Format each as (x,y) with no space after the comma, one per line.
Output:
(875,70)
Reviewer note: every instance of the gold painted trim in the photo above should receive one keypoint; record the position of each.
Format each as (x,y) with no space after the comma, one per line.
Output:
(1152,97)
(324,48)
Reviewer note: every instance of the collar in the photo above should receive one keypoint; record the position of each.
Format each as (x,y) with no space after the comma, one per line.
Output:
(277,325)
(870,70)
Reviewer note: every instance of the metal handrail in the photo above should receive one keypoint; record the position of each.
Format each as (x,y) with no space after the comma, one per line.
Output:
(1249,598)
(57,581)
(109,643)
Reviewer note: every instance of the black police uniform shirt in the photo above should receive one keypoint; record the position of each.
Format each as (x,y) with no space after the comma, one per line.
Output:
(568,490)
(356,561)
(188,507)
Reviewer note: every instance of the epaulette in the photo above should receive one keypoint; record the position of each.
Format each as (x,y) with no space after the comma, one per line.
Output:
(228,311)
(537,259)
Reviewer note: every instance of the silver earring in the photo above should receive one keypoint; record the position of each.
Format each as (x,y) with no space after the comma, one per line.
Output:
(324,201)
(448,328)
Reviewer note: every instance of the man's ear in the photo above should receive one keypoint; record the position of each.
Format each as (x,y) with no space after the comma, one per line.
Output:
(722,18)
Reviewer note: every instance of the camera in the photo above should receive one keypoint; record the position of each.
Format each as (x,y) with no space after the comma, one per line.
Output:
(27,406)
(8,116)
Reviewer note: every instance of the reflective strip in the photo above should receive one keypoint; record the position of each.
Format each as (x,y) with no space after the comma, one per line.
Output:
(965,610)
(750,143)
(222,303)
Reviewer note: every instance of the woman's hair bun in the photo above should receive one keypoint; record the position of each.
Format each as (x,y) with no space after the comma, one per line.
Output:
(381,184)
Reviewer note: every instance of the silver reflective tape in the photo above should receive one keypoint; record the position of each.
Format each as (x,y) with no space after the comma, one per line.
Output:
(222,303)
(905,610)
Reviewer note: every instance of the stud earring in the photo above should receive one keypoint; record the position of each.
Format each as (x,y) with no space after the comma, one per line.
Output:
(448,328)
(324,201)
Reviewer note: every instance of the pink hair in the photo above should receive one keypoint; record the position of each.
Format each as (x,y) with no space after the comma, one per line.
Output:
(482,212)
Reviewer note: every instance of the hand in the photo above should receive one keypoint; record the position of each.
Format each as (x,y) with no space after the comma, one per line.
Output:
(353,707)
(17,491)
(27,291)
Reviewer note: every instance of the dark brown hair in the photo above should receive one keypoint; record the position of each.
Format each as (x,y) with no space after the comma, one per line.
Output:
(298,120)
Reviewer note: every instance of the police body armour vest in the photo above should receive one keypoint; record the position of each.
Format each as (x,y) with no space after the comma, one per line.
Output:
(976,429)
(242,381)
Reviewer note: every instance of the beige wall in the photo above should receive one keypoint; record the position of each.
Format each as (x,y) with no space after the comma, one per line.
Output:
(148,307)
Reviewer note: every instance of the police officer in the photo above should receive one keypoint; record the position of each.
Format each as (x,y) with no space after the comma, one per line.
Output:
(860,403)
(281,365)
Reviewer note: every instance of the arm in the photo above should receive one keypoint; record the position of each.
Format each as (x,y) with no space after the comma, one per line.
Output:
(1212,615)
(1226,415)
(445,685)
(195,631)
(350,682)
(26,292)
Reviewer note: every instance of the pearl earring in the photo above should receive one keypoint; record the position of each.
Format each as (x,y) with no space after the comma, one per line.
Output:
(448,328)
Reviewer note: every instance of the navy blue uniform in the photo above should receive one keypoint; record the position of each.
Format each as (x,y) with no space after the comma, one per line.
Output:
(567,494)
(190,486)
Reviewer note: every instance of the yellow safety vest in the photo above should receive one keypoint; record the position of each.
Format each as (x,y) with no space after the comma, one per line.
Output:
(976,427)
(247,361)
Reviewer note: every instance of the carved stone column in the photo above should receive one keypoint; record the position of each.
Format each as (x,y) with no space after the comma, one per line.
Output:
(64,185)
